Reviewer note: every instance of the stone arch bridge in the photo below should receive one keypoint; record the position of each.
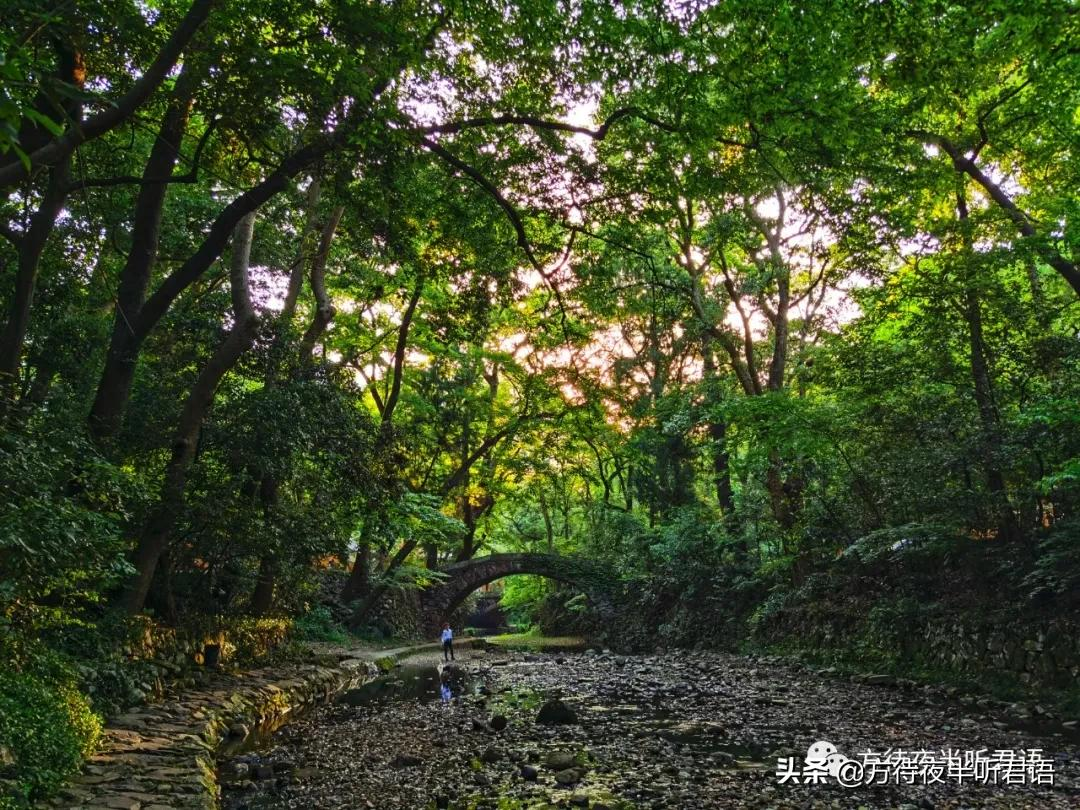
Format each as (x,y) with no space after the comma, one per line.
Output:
(439,600)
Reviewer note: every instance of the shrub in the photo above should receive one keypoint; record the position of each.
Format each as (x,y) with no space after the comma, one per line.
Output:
(1056,571)
(913,545)
(62,539)
(318,625)
(46,726)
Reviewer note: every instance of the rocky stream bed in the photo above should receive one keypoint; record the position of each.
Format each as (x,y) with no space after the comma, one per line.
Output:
(679,730)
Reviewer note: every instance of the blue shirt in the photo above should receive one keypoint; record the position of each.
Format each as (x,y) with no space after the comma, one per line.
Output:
(447,635)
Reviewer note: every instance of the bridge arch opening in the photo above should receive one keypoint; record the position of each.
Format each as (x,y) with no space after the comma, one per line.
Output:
(439,601)
(489,611)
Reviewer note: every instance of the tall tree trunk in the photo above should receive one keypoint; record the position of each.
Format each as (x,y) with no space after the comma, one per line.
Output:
(374,594)
(30,247)
(114,387)
(159,526)
(718,435)
(262,597)
(324,307)
(549,529)
(300,261)
(113,392)
(984,399)
(31,244)
(983,387)
(360,576)
(721,465)
(774,484)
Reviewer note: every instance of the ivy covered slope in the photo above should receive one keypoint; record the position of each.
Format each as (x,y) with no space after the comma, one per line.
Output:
(769,310)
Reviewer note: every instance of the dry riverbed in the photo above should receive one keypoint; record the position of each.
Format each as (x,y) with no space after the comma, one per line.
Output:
(680,730)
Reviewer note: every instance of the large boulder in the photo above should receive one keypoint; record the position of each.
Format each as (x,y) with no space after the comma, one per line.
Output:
(555,712)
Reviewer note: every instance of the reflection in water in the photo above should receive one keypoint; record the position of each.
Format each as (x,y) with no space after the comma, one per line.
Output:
(444,684)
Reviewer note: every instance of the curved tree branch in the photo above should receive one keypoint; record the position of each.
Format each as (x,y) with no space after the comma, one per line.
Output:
(122,109)
(324,307)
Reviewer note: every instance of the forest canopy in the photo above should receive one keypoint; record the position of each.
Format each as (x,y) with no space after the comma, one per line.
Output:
(718,293)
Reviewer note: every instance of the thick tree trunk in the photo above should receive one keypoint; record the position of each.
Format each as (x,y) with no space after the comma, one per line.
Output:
(468,547)
(159,527)
(721,465)
(114,390)
(774,483)
(262,598)
(360,576)
(44,373)
(991,434)
(375,593)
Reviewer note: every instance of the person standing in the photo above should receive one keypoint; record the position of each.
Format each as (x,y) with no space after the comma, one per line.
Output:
(447,642)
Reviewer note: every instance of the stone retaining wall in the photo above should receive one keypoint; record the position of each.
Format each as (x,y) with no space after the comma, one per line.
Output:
(1039,653)
(161,756)
(1046,654)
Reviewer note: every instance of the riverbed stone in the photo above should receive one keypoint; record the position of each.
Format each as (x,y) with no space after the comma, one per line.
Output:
(556,712)
(560,760)
(569,776)
(620,755)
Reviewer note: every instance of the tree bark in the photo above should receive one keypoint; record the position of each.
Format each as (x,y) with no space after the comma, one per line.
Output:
(155,536)
(30,247)
(983,388)
(718,435)
(324,307)
(1066,268)
(399,353)
(374,594)
(114,389)
(360,576)
(262,598)
(61,148)
(549,529)
(263,595)
(113,392)
(296,269)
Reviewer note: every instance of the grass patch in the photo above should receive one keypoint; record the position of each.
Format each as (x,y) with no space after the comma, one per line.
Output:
(533,642)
